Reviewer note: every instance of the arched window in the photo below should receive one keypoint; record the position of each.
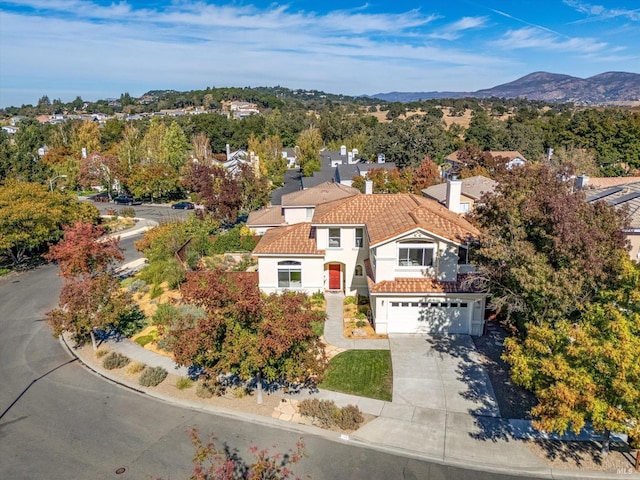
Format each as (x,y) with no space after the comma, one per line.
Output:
(359,271)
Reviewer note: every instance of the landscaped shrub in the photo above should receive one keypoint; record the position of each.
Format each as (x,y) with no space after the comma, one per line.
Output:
(152,376)
(131,321)
(144,339)
(350,300)
(128,212)
(156,291)
(135,367)
(350,418)
(327,414)
(188,310)
(168,270)
(207,388)
(115,360)
(135,285)
(361,323)
(101,352)
(240,392)
(321,411)
(183,383)
(361,316)
(164,315)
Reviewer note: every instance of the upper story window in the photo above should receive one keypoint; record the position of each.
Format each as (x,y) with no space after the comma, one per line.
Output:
(464,207)
(309,213)
(359,271)
(334,237)
(416,254)
(463,255)
(359,237)
(289,274)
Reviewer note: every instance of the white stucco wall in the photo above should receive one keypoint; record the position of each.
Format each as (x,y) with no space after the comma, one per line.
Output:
(293,215)
(312,274)
(445,265)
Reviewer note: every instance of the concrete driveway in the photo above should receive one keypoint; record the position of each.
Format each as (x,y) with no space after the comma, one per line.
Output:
(441,373)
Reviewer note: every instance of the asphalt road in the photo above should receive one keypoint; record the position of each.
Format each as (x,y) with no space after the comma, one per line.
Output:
(60,421)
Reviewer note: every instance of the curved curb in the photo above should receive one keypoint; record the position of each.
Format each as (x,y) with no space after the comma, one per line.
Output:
(353,439)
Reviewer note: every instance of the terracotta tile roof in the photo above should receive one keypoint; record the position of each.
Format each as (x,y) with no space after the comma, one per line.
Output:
(602,182)
(267,216)
(325,192)
(418,285)
(388,215)
(296,239)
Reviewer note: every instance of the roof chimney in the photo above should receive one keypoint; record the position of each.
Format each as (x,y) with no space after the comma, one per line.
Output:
(454,191)
(343,150)
(228,151)
(582,181)
(368,187)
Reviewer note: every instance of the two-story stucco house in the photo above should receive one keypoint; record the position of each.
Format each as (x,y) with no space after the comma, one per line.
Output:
(407,253)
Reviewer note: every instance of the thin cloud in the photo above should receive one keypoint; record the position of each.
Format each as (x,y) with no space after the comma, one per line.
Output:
(599,12)
(532,38)
(454,30)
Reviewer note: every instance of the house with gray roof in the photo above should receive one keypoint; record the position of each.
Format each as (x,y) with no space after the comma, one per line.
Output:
(619,192)
(471,191)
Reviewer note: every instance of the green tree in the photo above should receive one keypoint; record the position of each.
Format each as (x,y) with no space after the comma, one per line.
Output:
(587,369)
(176,146)
(309,143)
(31,217)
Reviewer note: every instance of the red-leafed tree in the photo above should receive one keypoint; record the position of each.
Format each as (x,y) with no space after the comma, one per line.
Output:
(426,175)
(216,189)
(247,333)
(90,297)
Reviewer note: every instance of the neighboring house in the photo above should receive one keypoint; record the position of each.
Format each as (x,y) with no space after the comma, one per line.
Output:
(297,207)
(243,109)
(471,192)
(453,164)
(11,130)
(291,156)
(237,158)
(407,253)
(341,166)
(620,192)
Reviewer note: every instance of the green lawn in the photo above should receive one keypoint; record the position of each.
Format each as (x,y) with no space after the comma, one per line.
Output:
(366,373)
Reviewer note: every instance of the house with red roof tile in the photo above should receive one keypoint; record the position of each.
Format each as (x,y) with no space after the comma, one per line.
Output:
(406,253)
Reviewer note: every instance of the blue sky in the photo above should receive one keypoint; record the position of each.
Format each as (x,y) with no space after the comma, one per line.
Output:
(100,49)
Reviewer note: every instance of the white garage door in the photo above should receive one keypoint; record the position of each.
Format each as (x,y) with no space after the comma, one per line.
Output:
(428,316)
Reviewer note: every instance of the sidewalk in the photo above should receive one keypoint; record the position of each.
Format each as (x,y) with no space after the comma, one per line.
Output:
(477,442)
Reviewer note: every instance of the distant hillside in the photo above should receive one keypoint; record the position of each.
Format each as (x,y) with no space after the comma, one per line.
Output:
(609,87)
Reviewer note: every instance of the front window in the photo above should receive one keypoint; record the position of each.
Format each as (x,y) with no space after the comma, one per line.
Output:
(334,238)
(359,271)
(289,274)
(359,237)
(415,255)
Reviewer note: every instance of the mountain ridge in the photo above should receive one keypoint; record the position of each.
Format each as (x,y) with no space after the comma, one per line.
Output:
(603,88)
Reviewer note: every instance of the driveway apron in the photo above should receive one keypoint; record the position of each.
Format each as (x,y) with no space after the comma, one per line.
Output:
(442,373)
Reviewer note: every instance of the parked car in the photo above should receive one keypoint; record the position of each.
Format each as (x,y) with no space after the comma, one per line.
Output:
(102,197)
(183,206)
(125,200)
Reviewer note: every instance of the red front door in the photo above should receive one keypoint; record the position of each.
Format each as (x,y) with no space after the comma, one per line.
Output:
(334,277)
